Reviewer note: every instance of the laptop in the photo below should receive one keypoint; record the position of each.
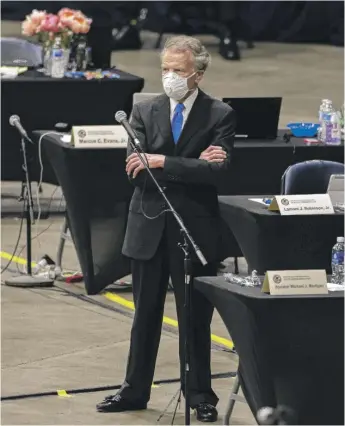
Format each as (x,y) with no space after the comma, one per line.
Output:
(336,189)
(257,118)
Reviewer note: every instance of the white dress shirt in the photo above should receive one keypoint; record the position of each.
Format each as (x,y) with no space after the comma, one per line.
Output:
(188,104)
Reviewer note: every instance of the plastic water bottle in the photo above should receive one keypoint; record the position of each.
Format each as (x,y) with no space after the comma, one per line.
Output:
(326,125)
(323,103)
(58,61)
(338,262)
(321,109)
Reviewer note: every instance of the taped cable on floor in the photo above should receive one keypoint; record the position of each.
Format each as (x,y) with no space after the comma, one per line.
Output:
(101,388)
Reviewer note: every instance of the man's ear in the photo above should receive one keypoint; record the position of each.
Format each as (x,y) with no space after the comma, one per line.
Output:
(199,76)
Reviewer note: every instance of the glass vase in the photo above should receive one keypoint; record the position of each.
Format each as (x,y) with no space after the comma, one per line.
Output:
(66,57)
(46,59)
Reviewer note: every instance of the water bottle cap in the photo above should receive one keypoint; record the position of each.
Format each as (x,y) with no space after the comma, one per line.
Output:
(340,239)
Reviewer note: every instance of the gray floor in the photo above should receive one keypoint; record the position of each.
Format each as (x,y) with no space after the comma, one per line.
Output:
(51,340)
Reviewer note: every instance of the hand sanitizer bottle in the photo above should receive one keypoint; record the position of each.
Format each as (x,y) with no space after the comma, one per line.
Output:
(334,130)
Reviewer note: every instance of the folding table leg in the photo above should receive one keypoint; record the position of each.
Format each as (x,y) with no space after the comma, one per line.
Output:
(233,397)
(63,237)
(236,265)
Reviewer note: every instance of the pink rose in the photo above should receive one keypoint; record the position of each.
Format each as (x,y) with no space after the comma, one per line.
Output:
(32,22)
(37,16)
(79,25)
(66,12)
(29,28)
(75,20)
(51,23)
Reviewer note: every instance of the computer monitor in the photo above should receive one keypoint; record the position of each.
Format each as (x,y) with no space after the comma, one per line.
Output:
(257,118)
(336,189)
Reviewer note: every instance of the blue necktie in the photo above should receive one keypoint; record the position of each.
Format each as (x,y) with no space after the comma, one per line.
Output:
(177,121)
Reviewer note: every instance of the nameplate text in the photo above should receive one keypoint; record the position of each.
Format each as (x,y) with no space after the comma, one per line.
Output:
(312,281)
(99,137)
(303,204)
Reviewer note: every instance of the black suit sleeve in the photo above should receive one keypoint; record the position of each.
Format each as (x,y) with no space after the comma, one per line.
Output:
(191,170)
(143,179)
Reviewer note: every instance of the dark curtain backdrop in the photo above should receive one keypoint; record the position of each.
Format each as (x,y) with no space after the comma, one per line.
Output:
(286,21)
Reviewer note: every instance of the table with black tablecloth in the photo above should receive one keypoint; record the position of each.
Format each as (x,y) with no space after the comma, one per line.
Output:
(97,194)
(42,101)
(270,241)
(98,178)
(258,165)
(291,348)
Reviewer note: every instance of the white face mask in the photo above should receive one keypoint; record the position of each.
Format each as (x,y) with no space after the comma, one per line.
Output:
(175,86)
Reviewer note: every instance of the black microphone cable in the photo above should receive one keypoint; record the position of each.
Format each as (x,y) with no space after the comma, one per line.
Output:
(121,117)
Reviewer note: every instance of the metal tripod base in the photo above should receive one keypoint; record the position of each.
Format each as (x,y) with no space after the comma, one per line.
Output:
(29,281)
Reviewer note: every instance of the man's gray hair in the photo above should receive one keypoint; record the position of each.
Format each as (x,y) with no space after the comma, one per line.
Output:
(182,43)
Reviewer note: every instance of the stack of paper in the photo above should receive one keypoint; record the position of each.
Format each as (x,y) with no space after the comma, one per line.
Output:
(11,72)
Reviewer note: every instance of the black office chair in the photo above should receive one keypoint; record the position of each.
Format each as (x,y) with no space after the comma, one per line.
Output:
(17,52)
(309,177)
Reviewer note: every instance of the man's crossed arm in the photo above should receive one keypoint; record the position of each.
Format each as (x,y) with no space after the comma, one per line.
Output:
(207,169)
(213,154)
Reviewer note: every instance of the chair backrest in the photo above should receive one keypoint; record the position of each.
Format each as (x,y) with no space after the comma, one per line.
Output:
(16,52)
(309,177)
(139,97)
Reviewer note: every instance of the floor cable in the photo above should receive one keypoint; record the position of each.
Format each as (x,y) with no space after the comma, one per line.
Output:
(102,388)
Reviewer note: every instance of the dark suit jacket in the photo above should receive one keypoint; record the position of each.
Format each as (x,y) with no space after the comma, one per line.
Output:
(190,183)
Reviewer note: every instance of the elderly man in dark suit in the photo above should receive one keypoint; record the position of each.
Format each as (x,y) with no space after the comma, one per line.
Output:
(188,139)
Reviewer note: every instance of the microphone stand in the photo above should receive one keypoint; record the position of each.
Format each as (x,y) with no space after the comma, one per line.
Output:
(27,280)
(187,242)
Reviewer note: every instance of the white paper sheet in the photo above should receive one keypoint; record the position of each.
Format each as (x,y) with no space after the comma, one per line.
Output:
(66,138)
(335,287)
(258,200)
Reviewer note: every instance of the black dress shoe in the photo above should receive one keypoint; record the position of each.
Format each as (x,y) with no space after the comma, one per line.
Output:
(206,413)
(116,404)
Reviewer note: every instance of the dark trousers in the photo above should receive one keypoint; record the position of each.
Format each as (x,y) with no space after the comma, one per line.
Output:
(150,282)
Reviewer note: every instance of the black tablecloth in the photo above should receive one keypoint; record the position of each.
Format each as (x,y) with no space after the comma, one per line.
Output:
(257,166)
(41,102)
(97,196)
(270,241)
(291,348)
(97,179)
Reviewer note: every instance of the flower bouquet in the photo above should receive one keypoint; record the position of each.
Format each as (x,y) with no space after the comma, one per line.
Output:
(57,29)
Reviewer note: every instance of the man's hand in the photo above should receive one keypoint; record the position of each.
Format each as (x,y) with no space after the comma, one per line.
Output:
(213,154)
(134,164)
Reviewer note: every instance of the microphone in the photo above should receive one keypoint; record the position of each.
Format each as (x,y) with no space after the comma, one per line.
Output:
(15,122)
(121,118)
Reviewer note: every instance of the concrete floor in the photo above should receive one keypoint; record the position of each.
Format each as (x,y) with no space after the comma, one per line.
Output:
(52,340)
